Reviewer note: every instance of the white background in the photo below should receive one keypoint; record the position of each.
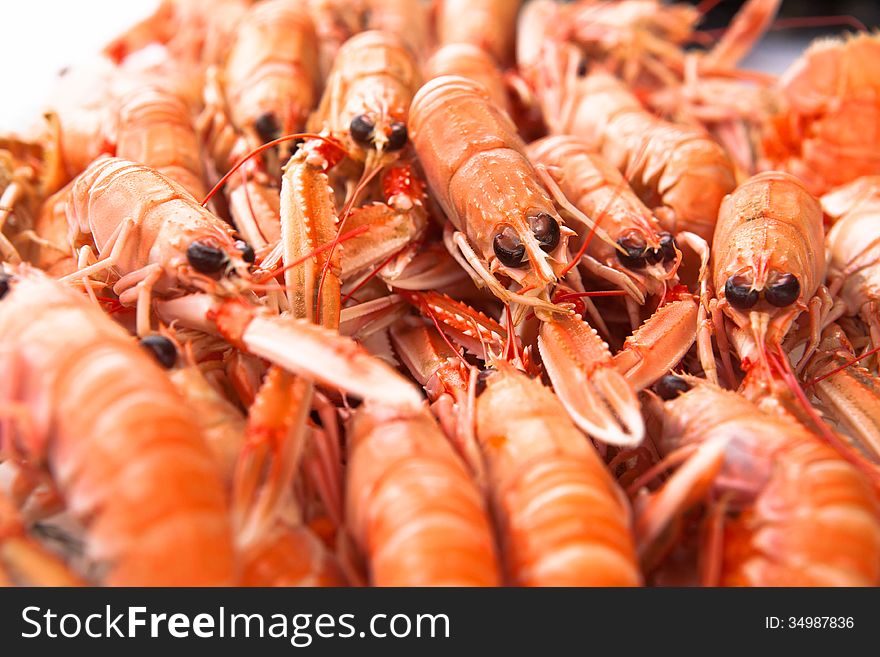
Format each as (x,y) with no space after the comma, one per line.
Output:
(40,37)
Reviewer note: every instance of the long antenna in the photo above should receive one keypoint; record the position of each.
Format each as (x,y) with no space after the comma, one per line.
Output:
(260,149)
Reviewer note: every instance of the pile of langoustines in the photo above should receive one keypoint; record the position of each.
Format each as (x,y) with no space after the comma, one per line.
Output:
(479,293)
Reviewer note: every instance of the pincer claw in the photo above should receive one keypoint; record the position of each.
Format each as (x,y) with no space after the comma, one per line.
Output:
(597,397)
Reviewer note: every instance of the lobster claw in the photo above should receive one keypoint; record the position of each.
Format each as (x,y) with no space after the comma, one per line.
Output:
(660,343)
(597,397)
(298,346)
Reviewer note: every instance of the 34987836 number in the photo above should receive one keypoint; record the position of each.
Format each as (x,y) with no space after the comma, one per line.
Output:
(820,622)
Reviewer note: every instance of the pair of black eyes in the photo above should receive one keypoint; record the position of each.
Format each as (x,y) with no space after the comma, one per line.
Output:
(510,250)
(636,254)
(361,129)
(208,259)
(783,292)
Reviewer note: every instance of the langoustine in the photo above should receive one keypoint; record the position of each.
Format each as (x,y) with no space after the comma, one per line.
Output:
(781,508)
(127,458)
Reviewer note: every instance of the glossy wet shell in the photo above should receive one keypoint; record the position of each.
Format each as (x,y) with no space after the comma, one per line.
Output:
(412,506)
(474,63)
(489,24)
(155,128)
(127,457)
(562,519)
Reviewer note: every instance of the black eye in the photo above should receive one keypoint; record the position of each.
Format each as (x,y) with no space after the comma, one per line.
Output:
(741,297)
(546,231)
(4,284)
(784,291)
(397,137)
(162,348)
(361,130)
(667,247)
(247,251)
(482,377)
(509,248)
(671,386)
(204,258)
(267,127)
(635,257)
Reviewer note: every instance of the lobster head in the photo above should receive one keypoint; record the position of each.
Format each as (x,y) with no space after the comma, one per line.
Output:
(368,94)
(768,254)
(205,253)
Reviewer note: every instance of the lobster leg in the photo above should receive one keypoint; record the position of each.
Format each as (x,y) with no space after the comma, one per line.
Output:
(713,550)
(84,258)
(704,343)
(276,549)
(144,299)
(720,322)
(254,206)
(690,484)
(469,328)
(433,267)
(823,310)
(323,461)
(615,277)
(633,310)
(448,382)
(276,432)
(365,319)
(116,243)
(748,25)
(450,237)
(7,202)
